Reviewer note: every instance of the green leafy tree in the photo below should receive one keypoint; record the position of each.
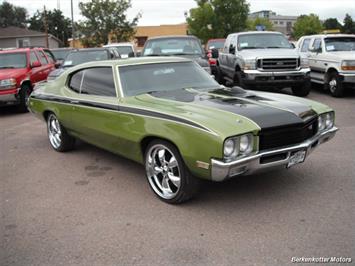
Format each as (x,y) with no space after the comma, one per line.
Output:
(349,25)
(11,15)
(217,18)
(332,24)
(252,23)
(307,25)
(104,18)
(58,25)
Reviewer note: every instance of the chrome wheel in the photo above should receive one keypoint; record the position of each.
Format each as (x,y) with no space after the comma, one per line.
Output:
(333,85)
(54,131)
(163,171)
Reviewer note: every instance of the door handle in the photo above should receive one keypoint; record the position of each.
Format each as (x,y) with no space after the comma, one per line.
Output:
(325,64)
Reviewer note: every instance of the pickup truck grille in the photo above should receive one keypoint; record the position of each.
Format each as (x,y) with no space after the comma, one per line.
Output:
(278,137)
(278,63)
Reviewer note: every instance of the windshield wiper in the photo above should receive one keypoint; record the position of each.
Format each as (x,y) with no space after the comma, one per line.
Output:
(153,55)
(252,48)
(277,47)
(4,67)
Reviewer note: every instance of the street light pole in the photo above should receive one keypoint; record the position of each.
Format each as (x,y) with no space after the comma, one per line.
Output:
(72,24)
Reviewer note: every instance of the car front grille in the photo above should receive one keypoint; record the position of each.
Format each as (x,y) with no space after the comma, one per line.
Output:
(278,63)
(294,134)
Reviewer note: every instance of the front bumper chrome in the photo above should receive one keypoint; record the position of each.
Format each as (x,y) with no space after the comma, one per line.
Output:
(348,77)
(9,98)
(265,77)
(265,159)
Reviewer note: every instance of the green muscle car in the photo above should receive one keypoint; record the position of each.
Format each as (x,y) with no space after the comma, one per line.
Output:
(170,115)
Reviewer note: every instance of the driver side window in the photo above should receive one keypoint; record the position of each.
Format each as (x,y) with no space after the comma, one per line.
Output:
(317,45)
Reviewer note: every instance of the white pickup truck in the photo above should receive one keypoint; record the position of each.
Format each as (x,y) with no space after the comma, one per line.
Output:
(331,58)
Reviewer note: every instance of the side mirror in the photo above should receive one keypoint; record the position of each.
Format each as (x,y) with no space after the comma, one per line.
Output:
(131,54)
(215,53)
(139,54)
(58,63)
(231,49)
(36,64)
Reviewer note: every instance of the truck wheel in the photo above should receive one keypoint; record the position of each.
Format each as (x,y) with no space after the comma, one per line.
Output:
(219,76)
(302,90)
(24,93)
(238,80)
(167,174)
(335,85)
(59,139)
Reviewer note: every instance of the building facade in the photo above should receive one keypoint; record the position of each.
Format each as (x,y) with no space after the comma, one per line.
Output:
(14,37)
(281,23)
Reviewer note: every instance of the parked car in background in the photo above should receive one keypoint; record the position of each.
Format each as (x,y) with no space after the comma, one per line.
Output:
(79,56)
(262,59)
(213,44)
(61,53)
(20,70)
(125,49)
(168,114)
(184,46)
(332,60)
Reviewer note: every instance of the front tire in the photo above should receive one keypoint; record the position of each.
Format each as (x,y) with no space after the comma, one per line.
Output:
(302,90)
(59,139)
(24,94)
(335,85)
(167,174)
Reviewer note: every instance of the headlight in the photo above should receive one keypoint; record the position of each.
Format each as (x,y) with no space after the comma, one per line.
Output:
(250,64)
(325,121)
(238,146)
(348,65)
(304,62)
(8,83)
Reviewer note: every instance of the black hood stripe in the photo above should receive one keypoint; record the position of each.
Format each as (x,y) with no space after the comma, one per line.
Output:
(241,103)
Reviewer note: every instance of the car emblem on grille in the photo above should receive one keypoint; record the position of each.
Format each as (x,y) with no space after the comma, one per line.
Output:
(279,63)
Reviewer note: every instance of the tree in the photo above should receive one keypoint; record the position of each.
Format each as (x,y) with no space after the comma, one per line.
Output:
(307,25)
(349,25)
(253,23)
(104,18)
(11,15)
(217,18)
(331,24)
(58,25)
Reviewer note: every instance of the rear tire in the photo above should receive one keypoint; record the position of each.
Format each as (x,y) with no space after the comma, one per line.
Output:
(335,85)
(24,93)
(167,173)
(219,76)
(59,139)
(302,90)
(238,80)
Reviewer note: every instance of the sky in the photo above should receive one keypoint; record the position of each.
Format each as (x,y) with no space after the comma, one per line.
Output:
(156,12)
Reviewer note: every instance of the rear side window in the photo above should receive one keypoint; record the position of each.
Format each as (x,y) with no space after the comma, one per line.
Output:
(33,57)
(50,56)
(98,81)
(42,58)
(94,81)
(317,43)
(75,81)
(305,45)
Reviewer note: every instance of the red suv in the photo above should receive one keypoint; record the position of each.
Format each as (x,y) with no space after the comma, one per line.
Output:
(20,70)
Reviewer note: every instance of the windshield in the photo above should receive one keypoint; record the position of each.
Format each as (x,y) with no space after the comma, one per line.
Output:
(262,41)
(13,60)
(124,49)
(215,44)
(340,44)
(176,46)
(140,79)
(76,58)
(60,54)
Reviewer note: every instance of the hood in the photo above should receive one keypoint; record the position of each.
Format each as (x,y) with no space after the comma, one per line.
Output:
(345,55)
(268,53)
(12,73)
(231,111)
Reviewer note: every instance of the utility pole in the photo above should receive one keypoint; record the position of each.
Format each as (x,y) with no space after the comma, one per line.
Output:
(58,4)
(46,26)
(72,24)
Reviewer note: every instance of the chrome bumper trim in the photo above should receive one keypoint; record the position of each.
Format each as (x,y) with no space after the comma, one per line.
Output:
(222,170)
(8,98)
(348,77)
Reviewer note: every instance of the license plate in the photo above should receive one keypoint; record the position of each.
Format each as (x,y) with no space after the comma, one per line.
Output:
(296,158)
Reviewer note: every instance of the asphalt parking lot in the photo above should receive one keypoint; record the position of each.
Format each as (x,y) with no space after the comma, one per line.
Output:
(90,207)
